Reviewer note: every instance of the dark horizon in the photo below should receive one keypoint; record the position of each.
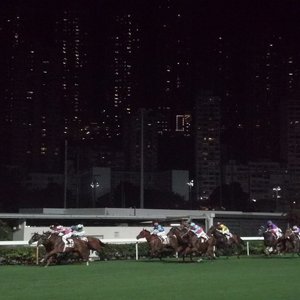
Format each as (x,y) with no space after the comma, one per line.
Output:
(82,71)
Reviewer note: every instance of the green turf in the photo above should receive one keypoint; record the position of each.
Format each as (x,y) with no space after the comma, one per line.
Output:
(246,278)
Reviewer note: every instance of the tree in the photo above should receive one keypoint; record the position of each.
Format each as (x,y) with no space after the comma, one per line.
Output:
(230,197)
(128,195)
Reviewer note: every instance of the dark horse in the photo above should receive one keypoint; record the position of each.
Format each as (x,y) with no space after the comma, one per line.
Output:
(54,246)
(233,244)
(189,243)
(176,233)
(271,243)
(292,242)
(157,247)
(42,239)
(200,245)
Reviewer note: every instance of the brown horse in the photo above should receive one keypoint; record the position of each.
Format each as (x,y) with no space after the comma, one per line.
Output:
(233,244)
(182,241)
(157,247)
(179,244)
(200,245)
(57,246)
(93,243)
(42,239)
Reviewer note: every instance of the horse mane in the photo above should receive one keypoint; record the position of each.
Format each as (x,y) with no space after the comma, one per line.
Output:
(47,232)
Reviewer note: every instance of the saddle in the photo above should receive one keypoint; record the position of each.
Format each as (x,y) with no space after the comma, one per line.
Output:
(165,241)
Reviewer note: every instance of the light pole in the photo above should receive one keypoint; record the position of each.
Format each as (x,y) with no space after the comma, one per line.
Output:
(94,185)
(277,189)
(190,185)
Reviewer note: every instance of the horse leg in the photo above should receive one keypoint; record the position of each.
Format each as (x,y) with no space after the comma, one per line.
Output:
(48,257)
(85,254)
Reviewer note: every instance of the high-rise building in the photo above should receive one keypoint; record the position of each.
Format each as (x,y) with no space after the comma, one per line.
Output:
(123,70)
(141,141)
(207,145)
(44,101)
(293,146)
(71,41)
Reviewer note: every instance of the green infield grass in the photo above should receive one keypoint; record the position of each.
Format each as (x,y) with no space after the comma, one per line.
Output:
(258,278)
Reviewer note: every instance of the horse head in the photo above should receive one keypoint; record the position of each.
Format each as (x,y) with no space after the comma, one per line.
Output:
(261,230)
(211,231)
(35,237)
(172,232)
(143,234)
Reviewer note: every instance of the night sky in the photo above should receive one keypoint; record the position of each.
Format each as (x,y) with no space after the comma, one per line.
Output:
(157,54)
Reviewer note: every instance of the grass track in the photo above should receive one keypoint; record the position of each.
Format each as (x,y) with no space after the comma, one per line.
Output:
(235,279)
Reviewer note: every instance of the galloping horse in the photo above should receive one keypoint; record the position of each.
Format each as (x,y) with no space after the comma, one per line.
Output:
(228,245)
(42,239)
(93,243)
(188,243)
(157,247)
(292,242)
(176,234)
(200,246)
(54,245)
(272,244)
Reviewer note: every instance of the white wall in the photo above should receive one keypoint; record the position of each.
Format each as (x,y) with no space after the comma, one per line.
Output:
(114,232)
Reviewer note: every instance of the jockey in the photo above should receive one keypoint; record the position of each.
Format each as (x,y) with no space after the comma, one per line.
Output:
(64,232)
(273,228)
(198,230)
(77,230)
(222,228)
(159,230)
(296,230)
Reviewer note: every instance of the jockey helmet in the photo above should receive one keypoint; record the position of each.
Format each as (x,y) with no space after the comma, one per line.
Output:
(155,223)
(59,227)
(52,226)
(295,227)
(192,224)
(79,226)
(269,223)
(219,223)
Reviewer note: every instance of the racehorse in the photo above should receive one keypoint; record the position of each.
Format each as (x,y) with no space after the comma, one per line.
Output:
(271,243)
(229,245)
(55,245)
(292,242)
(200,245)
(41,239)
(93,243)
(188,243)
(176,233)
(157,247)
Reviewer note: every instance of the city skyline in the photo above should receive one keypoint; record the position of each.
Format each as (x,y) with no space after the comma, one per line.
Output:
(82,72)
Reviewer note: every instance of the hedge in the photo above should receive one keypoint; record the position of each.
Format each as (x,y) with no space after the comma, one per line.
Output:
(27,255)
